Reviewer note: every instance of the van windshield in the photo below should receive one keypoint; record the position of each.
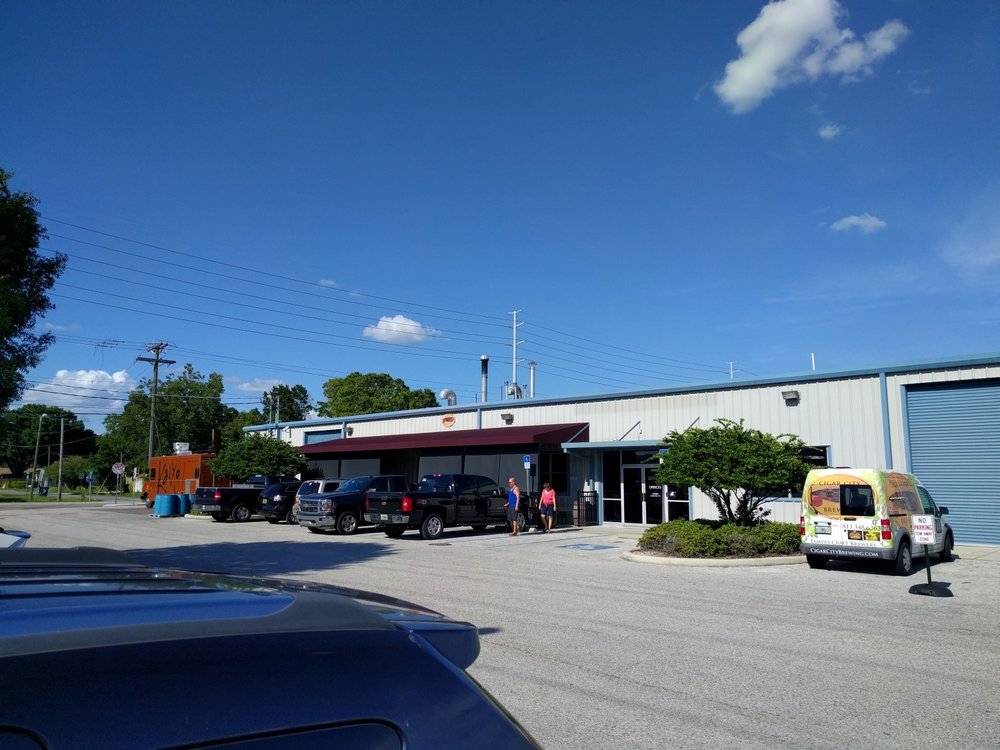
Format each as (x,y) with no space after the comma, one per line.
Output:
(843,500)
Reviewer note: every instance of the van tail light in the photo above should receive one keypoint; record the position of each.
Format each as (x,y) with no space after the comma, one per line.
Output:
(802,525)
(886,530)
(406,504)
(217,495)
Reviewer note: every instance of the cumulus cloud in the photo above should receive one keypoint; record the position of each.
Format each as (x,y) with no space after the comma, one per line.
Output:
(793,41)
(865,223)
(829,131)
(974,245)
(328,282)
(89,393)
(257,385)
(399,330)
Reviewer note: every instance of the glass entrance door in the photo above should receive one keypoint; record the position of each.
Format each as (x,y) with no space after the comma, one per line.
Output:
(642,496)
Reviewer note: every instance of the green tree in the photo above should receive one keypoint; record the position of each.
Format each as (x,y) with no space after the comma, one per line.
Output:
(21,432)
(286,403)
(73,468)
(737,467)
(371,393)
(25,280)
(233,429)
(257,454)
(189,409)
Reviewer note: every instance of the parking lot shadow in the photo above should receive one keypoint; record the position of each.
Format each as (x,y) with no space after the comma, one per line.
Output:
(261,558)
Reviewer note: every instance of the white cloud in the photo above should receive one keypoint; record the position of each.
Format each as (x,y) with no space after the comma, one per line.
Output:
(974,245)
(792,41)
(55,327)
(399,330)
(89,393)
(328,282)
(829,131)
(258,385)
(865,223)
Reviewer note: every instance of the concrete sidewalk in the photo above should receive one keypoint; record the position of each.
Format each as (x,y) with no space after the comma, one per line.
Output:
(631,534)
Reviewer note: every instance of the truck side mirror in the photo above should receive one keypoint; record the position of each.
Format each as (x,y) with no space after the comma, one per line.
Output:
(943,510)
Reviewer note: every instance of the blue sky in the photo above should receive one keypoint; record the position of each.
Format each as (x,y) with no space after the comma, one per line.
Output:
(289,192)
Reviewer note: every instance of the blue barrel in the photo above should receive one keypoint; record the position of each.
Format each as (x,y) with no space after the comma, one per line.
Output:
(173,503)
(184,504)
(161,505)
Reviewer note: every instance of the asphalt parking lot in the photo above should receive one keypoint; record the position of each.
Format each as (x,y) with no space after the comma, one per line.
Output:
(590,650)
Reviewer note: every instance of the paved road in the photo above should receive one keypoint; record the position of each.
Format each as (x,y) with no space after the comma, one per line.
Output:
(591,651)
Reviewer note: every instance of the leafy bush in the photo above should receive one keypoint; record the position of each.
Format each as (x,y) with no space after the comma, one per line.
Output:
(707,539)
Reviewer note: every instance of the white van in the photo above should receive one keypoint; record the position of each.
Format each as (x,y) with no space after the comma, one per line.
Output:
(864,514)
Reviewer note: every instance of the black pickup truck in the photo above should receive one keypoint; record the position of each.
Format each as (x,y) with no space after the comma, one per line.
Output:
(444,500)
(342,509)
(238,502)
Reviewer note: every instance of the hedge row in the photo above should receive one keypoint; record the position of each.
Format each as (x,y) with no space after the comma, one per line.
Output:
(710,539)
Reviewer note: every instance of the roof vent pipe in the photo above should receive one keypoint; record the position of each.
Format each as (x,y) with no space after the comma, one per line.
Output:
(531,380)
(484,367)
(448,395)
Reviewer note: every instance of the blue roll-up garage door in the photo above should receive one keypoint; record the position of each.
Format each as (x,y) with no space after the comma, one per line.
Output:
(953,434)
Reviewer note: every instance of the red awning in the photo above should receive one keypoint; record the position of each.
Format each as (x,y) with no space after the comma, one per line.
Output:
(550,434)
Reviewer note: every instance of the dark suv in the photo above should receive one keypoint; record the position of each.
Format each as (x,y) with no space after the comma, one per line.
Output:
(200,660)
(277,502)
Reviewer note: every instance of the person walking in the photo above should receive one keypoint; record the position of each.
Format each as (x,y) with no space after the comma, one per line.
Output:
(547,506)
(513,504)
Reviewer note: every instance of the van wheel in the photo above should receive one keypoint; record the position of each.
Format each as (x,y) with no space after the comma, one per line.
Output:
(946,551)
(904,560)
(816,561)
(432,527)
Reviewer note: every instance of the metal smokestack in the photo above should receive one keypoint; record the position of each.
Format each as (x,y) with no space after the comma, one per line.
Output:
(485,368)
(449,396)
(531,380)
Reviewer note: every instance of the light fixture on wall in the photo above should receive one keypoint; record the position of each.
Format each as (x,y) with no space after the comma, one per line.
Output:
(507,417)
(791,397)
(350,431)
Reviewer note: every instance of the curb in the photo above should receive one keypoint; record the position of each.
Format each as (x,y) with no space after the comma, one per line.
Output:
(710,562)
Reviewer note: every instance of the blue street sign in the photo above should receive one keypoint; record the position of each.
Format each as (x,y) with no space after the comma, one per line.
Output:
(527,462)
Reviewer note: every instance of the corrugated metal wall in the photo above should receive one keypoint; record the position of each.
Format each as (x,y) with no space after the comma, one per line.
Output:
(953,434)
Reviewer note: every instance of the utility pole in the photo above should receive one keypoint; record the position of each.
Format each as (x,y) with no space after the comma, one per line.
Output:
(62,431)
(513,383)
(156,349)
(34,463)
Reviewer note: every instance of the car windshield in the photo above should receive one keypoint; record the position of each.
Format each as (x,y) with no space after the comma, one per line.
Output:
(354,485)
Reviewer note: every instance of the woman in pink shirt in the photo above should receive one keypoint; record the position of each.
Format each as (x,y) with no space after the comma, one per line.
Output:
(547,506)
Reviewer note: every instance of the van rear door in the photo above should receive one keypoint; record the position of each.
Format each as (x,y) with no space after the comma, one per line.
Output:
(844,511)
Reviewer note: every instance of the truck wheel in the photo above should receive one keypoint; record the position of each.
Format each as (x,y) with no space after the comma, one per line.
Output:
(290,516)
(241,513)
(272,520)
(432,527)
(394,532)
(314,530)
(522,521)
(347,523)
(219,517)
(904,559)
(815,561)
(946,551)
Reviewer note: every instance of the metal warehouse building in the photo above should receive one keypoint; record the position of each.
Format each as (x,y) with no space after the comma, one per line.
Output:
(939,420)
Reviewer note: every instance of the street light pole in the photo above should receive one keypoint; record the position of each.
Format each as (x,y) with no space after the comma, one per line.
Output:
(34,462)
